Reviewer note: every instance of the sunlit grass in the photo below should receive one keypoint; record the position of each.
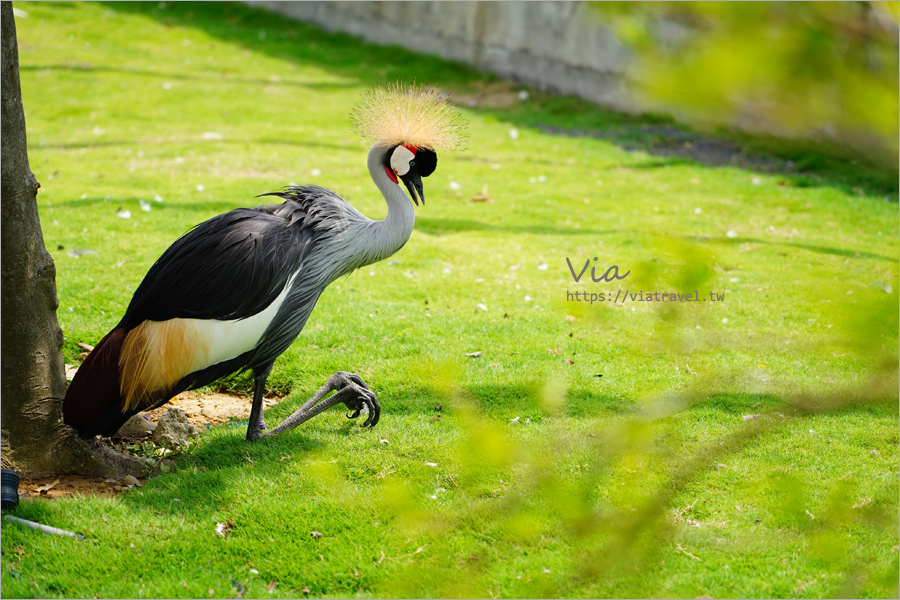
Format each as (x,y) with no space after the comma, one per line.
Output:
(590,450)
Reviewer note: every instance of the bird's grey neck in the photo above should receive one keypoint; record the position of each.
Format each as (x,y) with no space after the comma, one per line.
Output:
(390,234)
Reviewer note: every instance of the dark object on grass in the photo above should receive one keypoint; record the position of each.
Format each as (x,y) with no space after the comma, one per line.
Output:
(9,489)
(233,293)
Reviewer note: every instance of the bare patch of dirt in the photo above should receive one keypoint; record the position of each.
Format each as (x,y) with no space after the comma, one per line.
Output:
(209,409)
(496,94)
(64,486)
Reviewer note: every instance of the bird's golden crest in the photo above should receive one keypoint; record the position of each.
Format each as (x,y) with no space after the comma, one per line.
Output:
(411,115)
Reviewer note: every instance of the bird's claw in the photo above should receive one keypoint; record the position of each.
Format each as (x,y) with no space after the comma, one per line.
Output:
(365,399)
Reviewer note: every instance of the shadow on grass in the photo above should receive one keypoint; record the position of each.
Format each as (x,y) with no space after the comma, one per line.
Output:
(431,226)
(371,64)
(808,247)
(205,475)
(143,144)
(209,477)
(170,76)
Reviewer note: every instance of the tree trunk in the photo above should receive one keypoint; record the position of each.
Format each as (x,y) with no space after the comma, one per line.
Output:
(33,438)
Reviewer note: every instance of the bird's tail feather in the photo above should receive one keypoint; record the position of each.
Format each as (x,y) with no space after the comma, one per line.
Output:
(92,404)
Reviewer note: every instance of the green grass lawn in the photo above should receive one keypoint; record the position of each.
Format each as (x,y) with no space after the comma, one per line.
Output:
(592,450)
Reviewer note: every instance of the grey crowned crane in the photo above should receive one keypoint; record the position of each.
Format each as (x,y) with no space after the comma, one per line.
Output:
(235,291)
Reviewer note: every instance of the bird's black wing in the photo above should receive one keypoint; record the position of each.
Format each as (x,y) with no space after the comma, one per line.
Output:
(229,267)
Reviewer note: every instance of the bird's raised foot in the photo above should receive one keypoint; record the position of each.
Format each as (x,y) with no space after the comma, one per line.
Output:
(365,398)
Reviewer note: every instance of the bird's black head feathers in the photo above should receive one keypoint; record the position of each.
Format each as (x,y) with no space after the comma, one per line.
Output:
(426,161)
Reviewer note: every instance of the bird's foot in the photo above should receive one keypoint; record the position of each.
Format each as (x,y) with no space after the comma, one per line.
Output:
(353,395)
(365,398)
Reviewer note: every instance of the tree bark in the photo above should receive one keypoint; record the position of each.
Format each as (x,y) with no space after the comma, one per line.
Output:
(33,438)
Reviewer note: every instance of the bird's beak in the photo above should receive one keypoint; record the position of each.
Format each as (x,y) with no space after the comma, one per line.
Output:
(414,184)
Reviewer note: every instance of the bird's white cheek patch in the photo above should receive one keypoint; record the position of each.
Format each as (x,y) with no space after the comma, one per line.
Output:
(400,160)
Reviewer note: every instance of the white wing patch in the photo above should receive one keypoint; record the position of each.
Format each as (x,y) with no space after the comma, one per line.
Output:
(400,160)
(230,339)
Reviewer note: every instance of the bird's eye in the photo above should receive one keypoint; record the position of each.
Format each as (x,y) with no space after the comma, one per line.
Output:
(412,163)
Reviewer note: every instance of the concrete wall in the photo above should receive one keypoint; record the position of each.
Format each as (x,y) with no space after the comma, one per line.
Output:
(557,46)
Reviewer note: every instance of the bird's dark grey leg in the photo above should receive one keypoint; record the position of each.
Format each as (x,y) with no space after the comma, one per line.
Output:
(257,422)
(349,389)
